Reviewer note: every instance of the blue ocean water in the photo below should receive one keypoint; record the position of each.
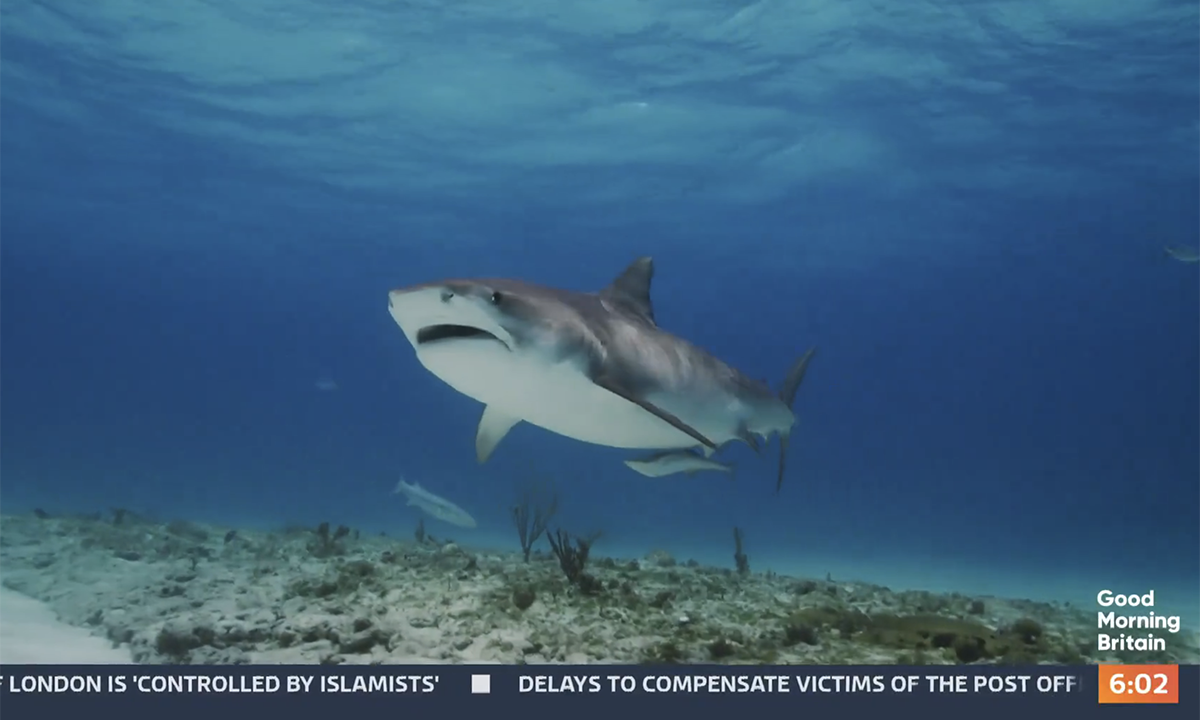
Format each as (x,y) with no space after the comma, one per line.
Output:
(964,208)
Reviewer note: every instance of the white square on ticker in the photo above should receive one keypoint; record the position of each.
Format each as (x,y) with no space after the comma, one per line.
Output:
(481,684)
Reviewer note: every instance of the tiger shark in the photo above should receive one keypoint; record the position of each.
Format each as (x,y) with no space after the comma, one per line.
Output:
(592,366)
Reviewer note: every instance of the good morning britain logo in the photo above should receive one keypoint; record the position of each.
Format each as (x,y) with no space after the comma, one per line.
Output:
(1134,613)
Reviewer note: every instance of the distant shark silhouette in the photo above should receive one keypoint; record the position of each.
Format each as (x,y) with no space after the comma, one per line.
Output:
(434,505)
(595,367)
(1182,254)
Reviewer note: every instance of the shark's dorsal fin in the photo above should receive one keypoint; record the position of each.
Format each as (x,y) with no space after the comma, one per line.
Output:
(631,290)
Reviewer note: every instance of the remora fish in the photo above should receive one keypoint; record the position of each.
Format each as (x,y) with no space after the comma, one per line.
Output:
(438,507)
(591,366)
(1182,254)
(669,462)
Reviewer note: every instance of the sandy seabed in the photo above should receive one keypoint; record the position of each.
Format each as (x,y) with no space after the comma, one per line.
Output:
(117,588)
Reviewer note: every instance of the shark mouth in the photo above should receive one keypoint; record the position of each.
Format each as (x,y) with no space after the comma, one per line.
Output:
(442,333)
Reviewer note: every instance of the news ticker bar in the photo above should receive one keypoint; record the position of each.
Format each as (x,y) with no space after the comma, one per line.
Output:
(1115,684)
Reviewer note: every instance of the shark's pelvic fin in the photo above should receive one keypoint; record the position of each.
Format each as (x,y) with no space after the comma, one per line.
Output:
(787,393)
(748,437)
(493,426)
(620,390)
(631,290)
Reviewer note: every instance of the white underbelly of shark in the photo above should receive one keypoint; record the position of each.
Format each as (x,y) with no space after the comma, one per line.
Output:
(557,397)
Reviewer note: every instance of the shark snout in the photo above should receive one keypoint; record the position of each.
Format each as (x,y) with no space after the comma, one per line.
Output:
(430,314)
(397,297)
(413,309)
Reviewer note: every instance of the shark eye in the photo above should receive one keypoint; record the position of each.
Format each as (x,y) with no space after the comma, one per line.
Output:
(496,298)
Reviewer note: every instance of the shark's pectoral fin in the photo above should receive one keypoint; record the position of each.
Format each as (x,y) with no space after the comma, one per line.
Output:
(493,426)
(617,388)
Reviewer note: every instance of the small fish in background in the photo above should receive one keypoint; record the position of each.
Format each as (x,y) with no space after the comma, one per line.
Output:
(325,385)
(670,462)
(434,506)
(1183,254)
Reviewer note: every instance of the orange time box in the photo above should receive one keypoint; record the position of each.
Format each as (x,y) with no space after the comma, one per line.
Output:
(1139,684)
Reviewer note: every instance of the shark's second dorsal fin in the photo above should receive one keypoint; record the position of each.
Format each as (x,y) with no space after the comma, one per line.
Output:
(795,376)
(631,290)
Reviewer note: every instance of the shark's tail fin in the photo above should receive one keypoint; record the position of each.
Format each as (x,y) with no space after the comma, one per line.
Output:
(787,393)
